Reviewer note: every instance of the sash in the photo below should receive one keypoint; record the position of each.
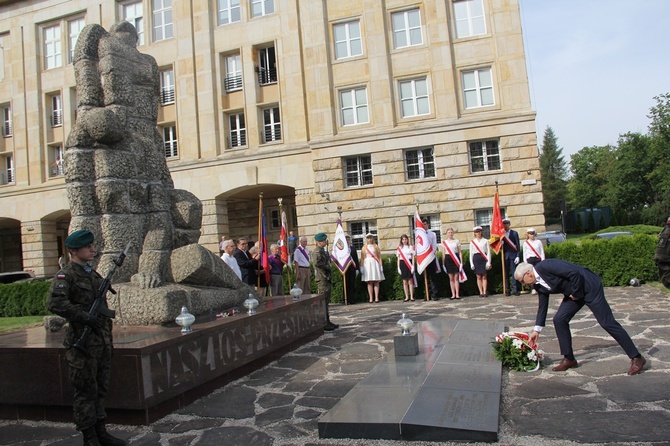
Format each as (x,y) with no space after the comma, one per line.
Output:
(372,254)
(480,250)
(461,274)
(302,251)
(510,244)
(533,249)
(402,256)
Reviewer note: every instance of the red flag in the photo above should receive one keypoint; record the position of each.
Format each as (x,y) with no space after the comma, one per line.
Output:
(497,228)
(424,250)
(263,249)
(283,239)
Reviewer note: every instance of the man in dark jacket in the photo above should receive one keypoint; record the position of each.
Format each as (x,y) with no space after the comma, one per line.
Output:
(248,265)
(71,296)
(579,286)
(511,248)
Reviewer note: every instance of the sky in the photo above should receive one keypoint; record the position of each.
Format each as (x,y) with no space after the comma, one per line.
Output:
(595,66)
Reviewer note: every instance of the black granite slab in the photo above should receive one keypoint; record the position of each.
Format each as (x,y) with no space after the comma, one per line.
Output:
(450,391)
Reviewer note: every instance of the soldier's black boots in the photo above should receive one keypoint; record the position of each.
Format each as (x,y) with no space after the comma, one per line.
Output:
(104,438)
(90,437)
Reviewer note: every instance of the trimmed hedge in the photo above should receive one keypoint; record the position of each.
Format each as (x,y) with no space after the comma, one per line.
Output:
(24,299)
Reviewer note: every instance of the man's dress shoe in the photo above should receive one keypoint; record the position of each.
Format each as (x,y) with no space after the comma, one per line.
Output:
(565,364)
(636,365)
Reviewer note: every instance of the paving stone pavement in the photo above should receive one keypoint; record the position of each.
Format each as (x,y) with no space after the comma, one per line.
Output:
(596,403)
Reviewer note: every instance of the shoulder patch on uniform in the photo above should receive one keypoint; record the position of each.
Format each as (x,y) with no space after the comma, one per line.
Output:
(60,276)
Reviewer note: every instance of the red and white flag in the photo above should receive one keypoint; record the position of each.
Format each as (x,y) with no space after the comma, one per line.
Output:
(283,239)
(424,250)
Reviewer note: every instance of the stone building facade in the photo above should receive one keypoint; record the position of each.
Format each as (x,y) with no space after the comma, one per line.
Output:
(364,107)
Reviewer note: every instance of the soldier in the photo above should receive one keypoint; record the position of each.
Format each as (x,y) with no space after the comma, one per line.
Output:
(323,274)
(662,256)
(71,296)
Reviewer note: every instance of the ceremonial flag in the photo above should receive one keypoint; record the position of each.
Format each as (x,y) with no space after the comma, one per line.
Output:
(424,250)
(497,228)
(263,247)
(283,239)
(340,254)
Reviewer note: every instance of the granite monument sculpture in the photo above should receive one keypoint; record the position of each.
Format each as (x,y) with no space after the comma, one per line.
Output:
(119,186)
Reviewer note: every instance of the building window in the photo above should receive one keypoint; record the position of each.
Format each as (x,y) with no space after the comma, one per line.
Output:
(233,80)
(478,88)
(484,217)
(7,172)
(262,7)
(420,163)
(52,47)
(469,17)
(229,11)
(267,66)
(358,171)
(406,28)
(275,218)
(354,106)
(434,224)
(74,27)
(134,14)
(56,156)
(358,231)
(56,117)
(7,121)
(238,130)
(170,141)
(484,156)
(162,13)
(167,87)
(347,37)
(271,124)
(414,97)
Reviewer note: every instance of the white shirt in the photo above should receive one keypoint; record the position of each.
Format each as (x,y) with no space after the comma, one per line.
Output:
(232,263)
(528,252)
(299,258)
(483,246)
(432,238)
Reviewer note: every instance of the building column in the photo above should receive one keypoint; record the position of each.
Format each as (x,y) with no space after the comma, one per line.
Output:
(39,243)
(214,223)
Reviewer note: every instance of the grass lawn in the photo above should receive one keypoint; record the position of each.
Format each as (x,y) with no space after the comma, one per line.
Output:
(13,323)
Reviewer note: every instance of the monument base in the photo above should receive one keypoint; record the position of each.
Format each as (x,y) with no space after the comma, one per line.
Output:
(406,345)
(155,369)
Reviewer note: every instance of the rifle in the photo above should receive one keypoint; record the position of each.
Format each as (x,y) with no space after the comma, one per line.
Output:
(96,309)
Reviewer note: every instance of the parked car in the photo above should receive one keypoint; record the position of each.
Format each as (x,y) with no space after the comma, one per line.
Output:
(550,237)
(611,235)
(16,276)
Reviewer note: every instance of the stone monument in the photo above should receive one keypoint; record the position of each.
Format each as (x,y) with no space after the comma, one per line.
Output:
(119,187)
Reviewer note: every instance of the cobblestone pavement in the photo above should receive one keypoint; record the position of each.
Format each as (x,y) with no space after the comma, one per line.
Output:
(596,403)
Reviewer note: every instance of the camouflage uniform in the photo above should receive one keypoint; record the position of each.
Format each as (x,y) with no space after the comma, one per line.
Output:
(71,296)
(323,273)
(662,256)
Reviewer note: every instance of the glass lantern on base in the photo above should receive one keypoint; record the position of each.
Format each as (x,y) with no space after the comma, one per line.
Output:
(296,292)
(250,304)
(185,320)
(405,324)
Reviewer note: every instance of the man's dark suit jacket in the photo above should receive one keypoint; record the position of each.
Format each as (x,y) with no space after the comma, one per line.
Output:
(514,238)
(565,278)
(248,266)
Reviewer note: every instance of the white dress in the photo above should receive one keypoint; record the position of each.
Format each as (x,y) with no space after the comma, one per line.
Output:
(372,270)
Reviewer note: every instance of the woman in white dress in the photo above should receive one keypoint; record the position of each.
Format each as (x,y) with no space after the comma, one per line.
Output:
(405,253)
(451,249)
(372,271)
(480,260)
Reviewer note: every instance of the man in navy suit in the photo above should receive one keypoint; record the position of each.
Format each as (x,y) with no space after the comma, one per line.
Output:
(511,247)
(579,286)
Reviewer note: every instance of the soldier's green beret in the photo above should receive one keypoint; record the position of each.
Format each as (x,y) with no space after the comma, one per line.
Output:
(321,237)
(79,239)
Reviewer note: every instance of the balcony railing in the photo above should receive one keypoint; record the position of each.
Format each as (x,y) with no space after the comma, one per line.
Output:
(56,118)
(7,129)
(7,176)
(272,133)
(232,83)
(267,76)
(170,149)
(167,95)
(57,169)
(238,139)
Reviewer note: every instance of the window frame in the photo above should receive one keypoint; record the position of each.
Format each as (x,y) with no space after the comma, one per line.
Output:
(263,8)
(229,7)
(7,130)
(56,114)
(233,80)
(434,224)
(239,133)
(406,30)
(57,155)
(486,157)
(170,141)
(478,88)
(483,217)
(167,82)
(267,65)
(271,125)
(136,20)
(53,47)
(358,231)
(163,29)
(7,175)
(415,99)
(363,166)
(469,18)
(354,106)
(348,40)
(421,163)
(73,36)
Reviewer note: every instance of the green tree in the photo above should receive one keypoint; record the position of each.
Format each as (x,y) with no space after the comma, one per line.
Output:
(554,173)
(590,176)
(659,150)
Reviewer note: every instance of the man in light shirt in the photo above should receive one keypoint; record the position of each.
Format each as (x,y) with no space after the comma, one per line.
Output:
(228,250)
(302,266)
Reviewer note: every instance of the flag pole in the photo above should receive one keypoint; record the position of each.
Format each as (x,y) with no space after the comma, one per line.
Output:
(502,253)
(344,273)
(260,245)
(281,213)
(425,275)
